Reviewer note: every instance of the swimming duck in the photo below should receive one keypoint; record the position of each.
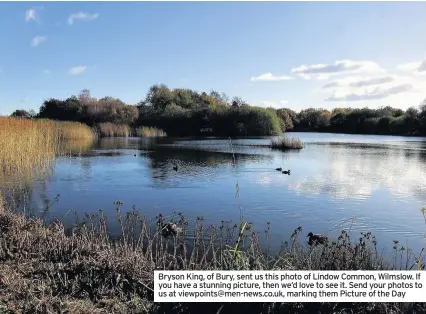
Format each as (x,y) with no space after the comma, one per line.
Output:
(175,167)
(134,155)
(286,172)
(279,169)
(316,238)
(169,229)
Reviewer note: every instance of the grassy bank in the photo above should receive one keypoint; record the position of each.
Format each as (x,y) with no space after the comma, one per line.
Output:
(285,143)
(82,270)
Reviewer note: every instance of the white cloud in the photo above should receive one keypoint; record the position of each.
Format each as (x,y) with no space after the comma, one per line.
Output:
(273,104)
(38,40)
(374,87)
(31,15)
(377,93)
(77,70)
(360,81)
(411,66)
(82,16)
(418,67)
(269,77)
(324,71)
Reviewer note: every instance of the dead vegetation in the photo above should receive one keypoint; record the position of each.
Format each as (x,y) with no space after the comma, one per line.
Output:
(47,269)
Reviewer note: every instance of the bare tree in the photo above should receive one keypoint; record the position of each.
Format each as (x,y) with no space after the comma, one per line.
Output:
(84,96)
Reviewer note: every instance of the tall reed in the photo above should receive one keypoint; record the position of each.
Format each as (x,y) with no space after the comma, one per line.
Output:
(284,143)
(145,131)
(108,129)
(66,130)
(30,145)
(25,144)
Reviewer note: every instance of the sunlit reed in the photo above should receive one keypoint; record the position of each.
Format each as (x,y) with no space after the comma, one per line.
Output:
(285,142)
(108,129)
(145,131)
(29,145)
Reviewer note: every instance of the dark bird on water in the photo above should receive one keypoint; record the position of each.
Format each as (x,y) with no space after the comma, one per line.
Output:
(169,229)
(279,169)
(134,155)
(286,172)
(316,238)
(175,167)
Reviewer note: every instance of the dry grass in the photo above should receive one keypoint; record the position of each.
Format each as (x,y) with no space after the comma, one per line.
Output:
(108,129)
(123,130)
(83,270)
(75,147)
(28,147)
(284,143)
(2,204)
(25,144)
(67,131)
(144,131)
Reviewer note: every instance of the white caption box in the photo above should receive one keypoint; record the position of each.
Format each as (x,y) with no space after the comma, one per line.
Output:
(289,286)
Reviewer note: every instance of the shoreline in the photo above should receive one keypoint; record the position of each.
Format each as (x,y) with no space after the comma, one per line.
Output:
(350,133)
(43,266)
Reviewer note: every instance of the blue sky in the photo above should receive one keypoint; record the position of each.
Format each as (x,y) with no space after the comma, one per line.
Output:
(296,55)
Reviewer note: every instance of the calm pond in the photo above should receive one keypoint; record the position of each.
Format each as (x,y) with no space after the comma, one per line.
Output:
(366,183)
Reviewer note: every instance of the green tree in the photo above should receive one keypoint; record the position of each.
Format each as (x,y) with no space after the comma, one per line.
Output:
(285,119)
(159,96)
(21,113)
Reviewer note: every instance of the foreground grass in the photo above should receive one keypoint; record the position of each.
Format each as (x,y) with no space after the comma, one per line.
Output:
(284,143)
(47,269)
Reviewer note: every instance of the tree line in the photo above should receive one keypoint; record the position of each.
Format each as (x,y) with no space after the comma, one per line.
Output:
(185,112)
(384,120)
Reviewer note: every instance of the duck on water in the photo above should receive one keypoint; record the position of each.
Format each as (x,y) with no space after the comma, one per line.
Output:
(316,239)
(283,171)
(169,229)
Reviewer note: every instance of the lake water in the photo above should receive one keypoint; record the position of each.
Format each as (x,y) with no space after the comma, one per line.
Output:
(366,183)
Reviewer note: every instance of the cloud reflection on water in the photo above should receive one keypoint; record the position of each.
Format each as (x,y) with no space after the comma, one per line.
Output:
(356,173)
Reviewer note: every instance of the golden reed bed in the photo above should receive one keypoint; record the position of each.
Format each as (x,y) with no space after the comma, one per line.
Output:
(26,145)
